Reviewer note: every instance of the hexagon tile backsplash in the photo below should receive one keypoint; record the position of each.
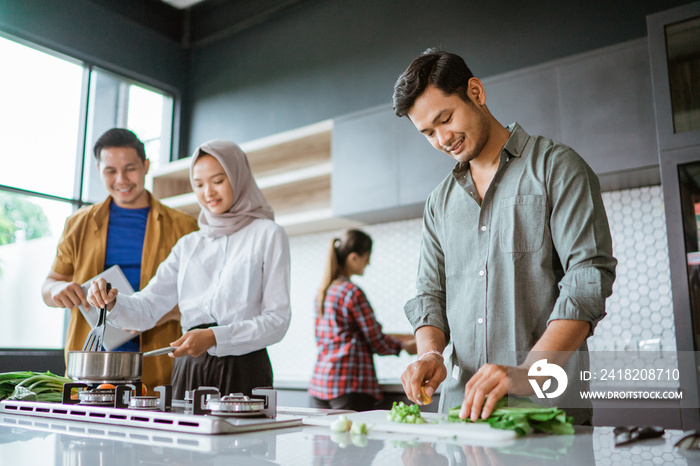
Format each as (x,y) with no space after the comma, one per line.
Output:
(639,312)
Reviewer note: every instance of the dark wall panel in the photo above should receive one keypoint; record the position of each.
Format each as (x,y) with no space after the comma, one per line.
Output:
(530,97)
(92,33)
(365,163)
(325,58)
(600,103)
(609,116)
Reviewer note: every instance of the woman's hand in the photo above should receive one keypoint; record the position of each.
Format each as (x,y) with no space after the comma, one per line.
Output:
(410,346)
(97,294)
(408,341)
(194,343)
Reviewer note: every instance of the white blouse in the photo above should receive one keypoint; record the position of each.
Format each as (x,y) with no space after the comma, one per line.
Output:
(239,281)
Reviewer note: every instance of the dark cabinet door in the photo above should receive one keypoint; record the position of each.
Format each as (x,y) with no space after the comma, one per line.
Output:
(674,47)
(383,168)
(420,167)
(364,154)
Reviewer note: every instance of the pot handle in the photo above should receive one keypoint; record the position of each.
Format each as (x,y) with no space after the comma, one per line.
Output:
(160,351)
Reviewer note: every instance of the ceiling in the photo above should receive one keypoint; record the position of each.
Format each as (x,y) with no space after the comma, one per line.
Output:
(182,4)
(195,23)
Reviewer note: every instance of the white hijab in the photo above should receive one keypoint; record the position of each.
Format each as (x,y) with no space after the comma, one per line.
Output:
(249,203)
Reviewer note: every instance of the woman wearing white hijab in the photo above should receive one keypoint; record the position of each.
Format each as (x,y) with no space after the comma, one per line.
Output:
(230,280)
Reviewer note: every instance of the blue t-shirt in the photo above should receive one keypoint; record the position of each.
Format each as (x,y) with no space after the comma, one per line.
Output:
(125,235)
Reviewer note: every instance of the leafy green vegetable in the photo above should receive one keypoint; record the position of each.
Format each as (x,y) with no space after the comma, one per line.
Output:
(523,416)
(401,412)
(32,386)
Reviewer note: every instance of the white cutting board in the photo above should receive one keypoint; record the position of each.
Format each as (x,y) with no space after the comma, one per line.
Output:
(377,421)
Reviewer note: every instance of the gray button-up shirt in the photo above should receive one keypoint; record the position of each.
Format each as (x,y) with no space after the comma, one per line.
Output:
(493,275)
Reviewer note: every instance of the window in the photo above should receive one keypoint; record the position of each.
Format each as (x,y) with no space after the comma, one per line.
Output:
(52,109)
(116,102)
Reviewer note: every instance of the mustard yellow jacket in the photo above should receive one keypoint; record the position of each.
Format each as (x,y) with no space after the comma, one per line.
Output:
(81,254)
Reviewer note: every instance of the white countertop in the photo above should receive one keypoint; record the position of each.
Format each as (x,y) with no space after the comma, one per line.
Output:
(54,442)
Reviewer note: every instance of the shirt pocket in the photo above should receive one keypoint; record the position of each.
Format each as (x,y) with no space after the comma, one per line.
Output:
(522,221)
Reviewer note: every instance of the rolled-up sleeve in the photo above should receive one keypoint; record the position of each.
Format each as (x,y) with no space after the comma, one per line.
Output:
(581,236)
(427,308)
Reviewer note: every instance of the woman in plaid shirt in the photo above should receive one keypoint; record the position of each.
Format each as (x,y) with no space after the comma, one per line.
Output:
(347,333)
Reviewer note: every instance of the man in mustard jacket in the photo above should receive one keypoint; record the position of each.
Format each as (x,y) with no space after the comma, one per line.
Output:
(130,229)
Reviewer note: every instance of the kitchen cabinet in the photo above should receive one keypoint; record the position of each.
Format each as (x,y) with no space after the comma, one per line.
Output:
(600,103)
(371,166)
(383,169)
(674,44)
(293,170)
(364,158)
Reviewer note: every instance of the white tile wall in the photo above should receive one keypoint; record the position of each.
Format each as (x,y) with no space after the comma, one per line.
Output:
(639,310)
(389,282)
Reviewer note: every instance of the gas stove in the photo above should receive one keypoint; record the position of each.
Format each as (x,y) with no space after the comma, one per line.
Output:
(204,412)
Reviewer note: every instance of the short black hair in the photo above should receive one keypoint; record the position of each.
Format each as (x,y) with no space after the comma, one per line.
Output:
(446,71)
(119,137)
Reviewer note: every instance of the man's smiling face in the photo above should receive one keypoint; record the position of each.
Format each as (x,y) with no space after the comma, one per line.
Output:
(123,173)
(452,125)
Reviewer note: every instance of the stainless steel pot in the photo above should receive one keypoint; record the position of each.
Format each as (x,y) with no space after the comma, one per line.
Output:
(104,366)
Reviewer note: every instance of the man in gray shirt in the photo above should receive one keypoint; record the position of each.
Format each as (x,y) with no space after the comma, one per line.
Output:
(516,256)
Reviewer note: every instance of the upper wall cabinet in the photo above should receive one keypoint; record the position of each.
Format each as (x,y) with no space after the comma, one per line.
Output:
(293,170)
(600,103)
(383,169)
(674,48)
(372,166)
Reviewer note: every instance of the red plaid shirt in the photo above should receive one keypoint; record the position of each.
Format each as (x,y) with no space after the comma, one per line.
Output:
(347,335)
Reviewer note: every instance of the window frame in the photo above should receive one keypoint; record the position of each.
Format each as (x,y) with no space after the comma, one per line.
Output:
(79,197)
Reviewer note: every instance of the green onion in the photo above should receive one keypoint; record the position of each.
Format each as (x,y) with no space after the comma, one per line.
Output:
(406,414)
(32,386)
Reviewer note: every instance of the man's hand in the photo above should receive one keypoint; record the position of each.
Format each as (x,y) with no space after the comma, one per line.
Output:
(194,343)
(61,291)
(559,341)
(429,371)
(491,383)
(67,294)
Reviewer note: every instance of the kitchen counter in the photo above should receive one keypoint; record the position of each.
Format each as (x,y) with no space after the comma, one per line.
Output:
(25,440)
(387,385)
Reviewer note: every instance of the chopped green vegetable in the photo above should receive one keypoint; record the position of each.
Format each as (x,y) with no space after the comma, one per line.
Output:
(406,414)
(342,424)
(32,386)
(359,428)
(522,415)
